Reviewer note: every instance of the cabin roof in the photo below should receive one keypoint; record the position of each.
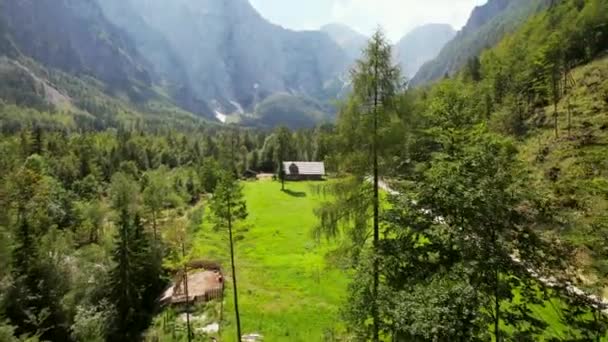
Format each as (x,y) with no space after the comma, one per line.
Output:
(305,168)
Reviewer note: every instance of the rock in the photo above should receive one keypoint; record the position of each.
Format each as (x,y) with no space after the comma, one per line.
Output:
(252,337)
(212,328)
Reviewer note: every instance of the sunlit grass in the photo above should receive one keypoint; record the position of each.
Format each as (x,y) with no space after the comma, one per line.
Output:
(287,291)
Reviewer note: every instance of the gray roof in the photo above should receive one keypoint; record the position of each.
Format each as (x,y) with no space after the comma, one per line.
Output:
(305,168)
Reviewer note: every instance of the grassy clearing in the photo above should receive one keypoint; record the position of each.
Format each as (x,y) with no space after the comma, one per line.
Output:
(287,291)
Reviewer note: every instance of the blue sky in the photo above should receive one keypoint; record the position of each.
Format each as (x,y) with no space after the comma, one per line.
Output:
(397,17)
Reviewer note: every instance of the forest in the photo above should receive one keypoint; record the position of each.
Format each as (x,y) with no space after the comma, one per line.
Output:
(459,207)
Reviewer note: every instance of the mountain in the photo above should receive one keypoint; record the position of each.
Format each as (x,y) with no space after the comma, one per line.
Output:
(226,52)
(350,40)
(487,25)
(421,45)
(74,36)
(204,56)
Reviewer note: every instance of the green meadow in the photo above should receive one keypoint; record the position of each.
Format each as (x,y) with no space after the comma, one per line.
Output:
(287,289)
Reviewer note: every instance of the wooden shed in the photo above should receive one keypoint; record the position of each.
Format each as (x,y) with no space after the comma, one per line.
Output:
(295,170)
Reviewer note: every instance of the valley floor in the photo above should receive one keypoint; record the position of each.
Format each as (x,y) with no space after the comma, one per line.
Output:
(287,289)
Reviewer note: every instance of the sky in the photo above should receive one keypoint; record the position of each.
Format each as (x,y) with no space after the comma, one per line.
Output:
(396,17)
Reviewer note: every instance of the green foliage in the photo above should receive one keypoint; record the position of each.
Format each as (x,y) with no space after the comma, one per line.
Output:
(89,325)
(135,278)
(158,194)
(228,202)
(290,110)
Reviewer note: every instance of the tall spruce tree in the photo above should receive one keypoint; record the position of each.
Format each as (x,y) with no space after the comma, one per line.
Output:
(134,280)
(282,149)
(228,207)
(33,303)
(362,140)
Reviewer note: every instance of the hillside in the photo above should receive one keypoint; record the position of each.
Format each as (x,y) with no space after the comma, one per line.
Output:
(573,167)
(549,92)
(290,110)
(34,96)
(421,45)
(487,25)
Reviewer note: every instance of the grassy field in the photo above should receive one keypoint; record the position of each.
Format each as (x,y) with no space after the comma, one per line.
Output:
(287,292)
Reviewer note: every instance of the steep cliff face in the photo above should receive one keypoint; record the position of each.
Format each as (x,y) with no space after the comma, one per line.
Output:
(487,25)
(421,45)
(203,55)
(74,36)
(229,54)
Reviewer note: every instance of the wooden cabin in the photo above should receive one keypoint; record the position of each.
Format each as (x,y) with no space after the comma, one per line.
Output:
(296,171)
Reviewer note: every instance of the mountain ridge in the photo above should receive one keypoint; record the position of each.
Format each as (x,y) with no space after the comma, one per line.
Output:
(239,55)
(486,26)
(348,38)
(420,45)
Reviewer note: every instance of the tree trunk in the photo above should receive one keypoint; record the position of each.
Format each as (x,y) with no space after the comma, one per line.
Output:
(234,286)
(497,308)
(154,224)
(569,119)
(375,315)
(496,287)
(555,101)
(187,294)
(555,121)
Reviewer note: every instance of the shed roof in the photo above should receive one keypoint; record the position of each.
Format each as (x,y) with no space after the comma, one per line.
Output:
(305,168)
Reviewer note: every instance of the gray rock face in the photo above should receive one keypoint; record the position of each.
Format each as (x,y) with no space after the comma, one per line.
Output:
(74,36)
(421,45)
(225,51)
(206,55)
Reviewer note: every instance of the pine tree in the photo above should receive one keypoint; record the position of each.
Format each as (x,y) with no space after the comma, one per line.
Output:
(362,141)
(34,302)
(282,151)
(228,207)
(124,292)
(135,279)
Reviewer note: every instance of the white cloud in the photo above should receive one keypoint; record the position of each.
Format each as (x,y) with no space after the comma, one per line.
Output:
(399,16)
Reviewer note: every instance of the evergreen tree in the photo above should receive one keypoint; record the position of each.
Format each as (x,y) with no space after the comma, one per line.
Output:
(134,280)
(363,125)
(282,151)
(34,299)
(456,235)
(228,207)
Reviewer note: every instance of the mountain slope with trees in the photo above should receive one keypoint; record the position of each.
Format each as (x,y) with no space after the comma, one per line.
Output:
(487,25)
(500,172)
